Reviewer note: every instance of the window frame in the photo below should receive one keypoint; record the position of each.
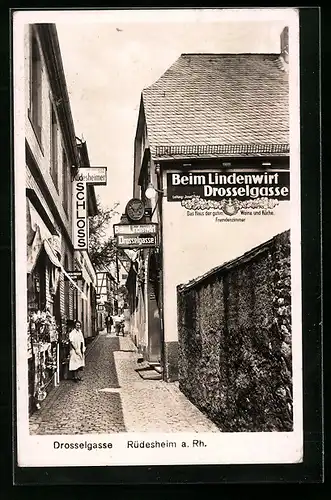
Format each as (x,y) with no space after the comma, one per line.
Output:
(66,289)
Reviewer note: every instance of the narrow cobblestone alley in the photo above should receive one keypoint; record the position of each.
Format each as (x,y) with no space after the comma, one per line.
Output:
(112,397)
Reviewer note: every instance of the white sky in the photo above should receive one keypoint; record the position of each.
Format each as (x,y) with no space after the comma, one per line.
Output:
(107,69)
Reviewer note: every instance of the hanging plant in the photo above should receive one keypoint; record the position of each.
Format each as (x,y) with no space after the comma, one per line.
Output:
(43,330)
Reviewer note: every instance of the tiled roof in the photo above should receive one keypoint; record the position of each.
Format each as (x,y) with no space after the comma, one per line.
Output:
(219,100)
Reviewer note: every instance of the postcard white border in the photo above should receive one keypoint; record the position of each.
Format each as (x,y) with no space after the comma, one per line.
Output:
(223,448)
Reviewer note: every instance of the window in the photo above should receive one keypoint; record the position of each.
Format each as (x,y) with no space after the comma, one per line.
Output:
(66,289)
(65,181)
(36,285)
(54,147)
(36,87)
(75,298)
(82,309)
(87,293)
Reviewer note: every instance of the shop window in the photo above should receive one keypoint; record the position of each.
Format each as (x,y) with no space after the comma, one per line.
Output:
(66,289)
(93,310)
(83,309)
(87,292)
(54,147)
(75,298)
(35,111)
(57,305)
(36,285)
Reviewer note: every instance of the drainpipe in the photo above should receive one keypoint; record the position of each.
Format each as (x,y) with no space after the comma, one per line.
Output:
(160,177)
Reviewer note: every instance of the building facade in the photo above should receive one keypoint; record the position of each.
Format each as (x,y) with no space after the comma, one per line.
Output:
(107,297)
(207,117)
(54,299)
(86,307)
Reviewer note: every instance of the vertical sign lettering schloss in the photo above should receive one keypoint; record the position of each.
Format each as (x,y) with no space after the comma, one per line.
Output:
(84,176)
(79,216)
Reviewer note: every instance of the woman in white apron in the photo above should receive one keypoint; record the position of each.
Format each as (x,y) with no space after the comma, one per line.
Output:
(77,351)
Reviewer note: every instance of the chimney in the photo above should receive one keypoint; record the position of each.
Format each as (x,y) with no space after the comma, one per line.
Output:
(284,44)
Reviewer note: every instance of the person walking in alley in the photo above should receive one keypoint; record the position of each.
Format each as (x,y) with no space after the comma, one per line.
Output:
(119,324)
(109,323)
(77,351)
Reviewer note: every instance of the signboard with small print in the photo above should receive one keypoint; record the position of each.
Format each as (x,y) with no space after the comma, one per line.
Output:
(137,229)
(74,275)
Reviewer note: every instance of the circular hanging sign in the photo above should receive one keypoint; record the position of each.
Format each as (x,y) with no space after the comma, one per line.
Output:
(135,209)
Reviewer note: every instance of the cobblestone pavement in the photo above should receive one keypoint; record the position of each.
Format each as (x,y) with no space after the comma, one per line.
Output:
(112,397)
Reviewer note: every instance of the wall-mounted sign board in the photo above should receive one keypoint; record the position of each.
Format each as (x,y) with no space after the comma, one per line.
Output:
(84,176)
(138,229)
(79,215)
(92,175)
(241,185)
(135,209)
(136,241)
(74,275)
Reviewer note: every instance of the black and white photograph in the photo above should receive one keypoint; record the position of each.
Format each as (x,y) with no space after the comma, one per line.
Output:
(157,236)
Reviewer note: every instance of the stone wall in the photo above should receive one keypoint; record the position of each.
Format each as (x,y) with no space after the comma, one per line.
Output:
(235,340)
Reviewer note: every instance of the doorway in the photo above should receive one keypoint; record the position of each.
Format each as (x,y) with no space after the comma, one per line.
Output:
(154,320)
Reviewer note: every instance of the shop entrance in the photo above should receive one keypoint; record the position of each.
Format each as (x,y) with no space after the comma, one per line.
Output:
(36,300)
(42,333)
(154,321)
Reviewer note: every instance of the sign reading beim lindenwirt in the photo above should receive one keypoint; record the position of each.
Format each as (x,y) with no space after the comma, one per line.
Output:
(245,185)
(143,235)
(137,234)
(84,176)
(144,228)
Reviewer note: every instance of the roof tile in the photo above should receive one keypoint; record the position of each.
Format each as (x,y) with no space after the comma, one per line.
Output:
(213,99)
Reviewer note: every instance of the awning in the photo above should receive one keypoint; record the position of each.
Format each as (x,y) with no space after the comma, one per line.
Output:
(51,243)
(51,254)
(30,231)
(33,251)
(55,261)
(37,234)
(36,220)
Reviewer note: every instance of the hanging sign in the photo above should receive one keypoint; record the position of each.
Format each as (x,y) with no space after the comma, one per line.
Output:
(84,176)
(92,175)
(135,209)
(74,275)
(143,228)
(239,185)
(79,216)
(136,241)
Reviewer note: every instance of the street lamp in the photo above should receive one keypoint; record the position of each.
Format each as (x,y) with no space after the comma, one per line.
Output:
(151,191)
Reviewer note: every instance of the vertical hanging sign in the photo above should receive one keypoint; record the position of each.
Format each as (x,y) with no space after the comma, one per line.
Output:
(84,176)
(79,216)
